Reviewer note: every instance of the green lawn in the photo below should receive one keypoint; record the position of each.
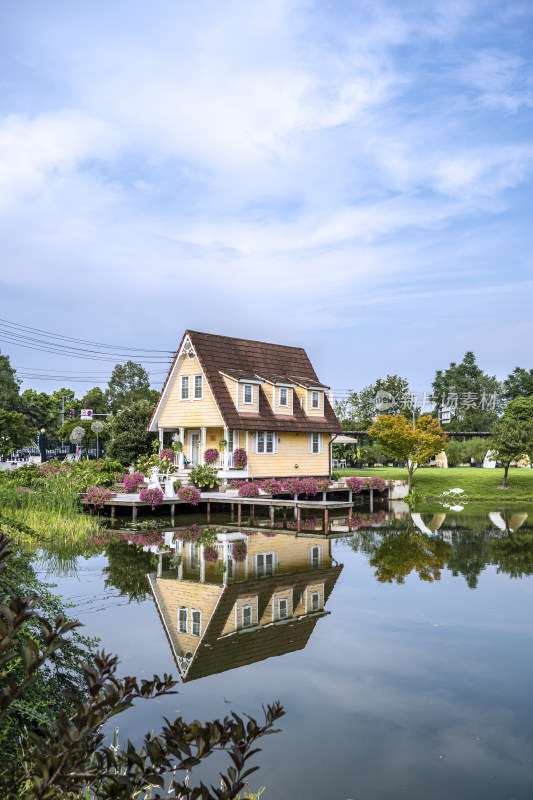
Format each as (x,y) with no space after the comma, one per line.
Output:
(477,483)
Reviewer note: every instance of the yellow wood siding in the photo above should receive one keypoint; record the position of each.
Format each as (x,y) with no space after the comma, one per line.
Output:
(189,413)
(192,596)
(293,449)
(232,388)
(269,390)
(284,409)
(315,412)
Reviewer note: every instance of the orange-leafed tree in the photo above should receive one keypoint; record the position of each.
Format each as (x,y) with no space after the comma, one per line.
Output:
(401,440)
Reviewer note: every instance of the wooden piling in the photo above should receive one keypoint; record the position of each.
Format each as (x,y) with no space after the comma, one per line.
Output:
(326,520)
(134,511)
(298,519)
(208,511)
(239,513)
(112,512)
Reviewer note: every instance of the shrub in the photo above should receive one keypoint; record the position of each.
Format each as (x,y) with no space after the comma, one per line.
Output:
(323,484)
(167,455)
(211,456)
(97,495)
(190,494)
(191,534)
(249,490)
(133,481)
(145,539)
(240,458)
(152,496)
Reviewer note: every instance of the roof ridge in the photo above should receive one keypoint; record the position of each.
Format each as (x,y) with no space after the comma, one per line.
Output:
(240,339)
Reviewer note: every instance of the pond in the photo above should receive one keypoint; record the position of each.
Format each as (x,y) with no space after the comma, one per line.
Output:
(401,653)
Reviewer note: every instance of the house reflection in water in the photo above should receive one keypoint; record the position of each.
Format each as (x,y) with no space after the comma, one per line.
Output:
(224,614)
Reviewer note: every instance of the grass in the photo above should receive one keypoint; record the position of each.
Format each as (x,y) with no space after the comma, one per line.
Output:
(478,484)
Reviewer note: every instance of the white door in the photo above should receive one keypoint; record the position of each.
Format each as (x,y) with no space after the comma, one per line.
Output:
(194,447)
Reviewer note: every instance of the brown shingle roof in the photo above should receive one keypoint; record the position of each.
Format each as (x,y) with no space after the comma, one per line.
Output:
(244,357)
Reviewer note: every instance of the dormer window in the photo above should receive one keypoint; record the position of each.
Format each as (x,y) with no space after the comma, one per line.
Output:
(283,397)
(248,393)
(315,399)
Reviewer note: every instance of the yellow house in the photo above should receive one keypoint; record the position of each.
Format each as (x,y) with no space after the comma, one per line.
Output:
(265,399)
(264,606)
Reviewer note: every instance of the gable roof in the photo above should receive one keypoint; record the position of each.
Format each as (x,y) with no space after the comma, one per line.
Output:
(245,359)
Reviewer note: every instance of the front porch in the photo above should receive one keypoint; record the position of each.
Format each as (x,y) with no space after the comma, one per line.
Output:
(195,441)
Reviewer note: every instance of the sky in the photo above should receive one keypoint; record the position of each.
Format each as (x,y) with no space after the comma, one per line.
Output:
(349,177)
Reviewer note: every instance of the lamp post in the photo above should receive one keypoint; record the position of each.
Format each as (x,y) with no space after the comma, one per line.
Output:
(97,427)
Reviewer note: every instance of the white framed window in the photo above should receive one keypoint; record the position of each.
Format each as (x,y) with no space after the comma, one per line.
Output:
(229,568)
(315,556)
(283,396)
(196,626)
(184,387)
(248,393)
(315,399)
(315,601)
(247,616)
(198,387)
(266,442)
(231,442)
(315,443)
(183,618)
(283,609)
(264,564)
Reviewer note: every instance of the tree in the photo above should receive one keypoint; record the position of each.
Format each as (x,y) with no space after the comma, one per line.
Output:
(473,396)
(128,384)
(69,758)
(129,437)
(9,385)
(405,443)
(511,440)
(358,410)
(70,424)
(14,432)
(520,409)
(39,410)
(519,383)
(96,400)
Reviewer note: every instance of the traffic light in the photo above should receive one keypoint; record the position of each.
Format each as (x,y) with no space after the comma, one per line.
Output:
(72,413)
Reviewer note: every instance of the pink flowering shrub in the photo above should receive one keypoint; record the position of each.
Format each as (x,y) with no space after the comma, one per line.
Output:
(97,495)
(118,477)
(367,520)
(240,458)
(190,494)
(167,454)
(239,550)
(292,485)
(152,496)
(210,554)
(49,470)
(323,484)
(271,485)
(237,484)
(249,490)
(356,485)
(310,524)
(191,534)
(211,456)
(133,481)
(146,539)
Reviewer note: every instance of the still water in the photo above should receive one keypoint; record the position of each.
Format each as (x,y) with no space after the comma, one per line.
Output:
(402,653)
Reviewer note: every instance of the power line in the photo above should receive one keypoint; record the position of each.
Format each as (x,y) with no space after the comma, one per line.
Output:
(49,334)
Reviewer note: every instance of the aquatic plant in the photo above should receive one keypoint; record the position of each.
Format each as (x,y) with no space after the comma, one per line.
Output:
(211,456)
(190,494)
(240,458)
(152,496)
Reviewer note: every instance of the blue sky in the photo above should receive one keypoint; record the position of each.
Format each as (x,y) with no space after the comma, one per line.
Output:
(354,178)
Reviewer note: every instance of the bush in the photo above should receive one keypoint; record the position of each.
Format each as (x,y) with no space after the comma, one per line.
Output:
(97,495)
(271,485)
(133,481)
(206,477)
(211,456)
(356,485)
